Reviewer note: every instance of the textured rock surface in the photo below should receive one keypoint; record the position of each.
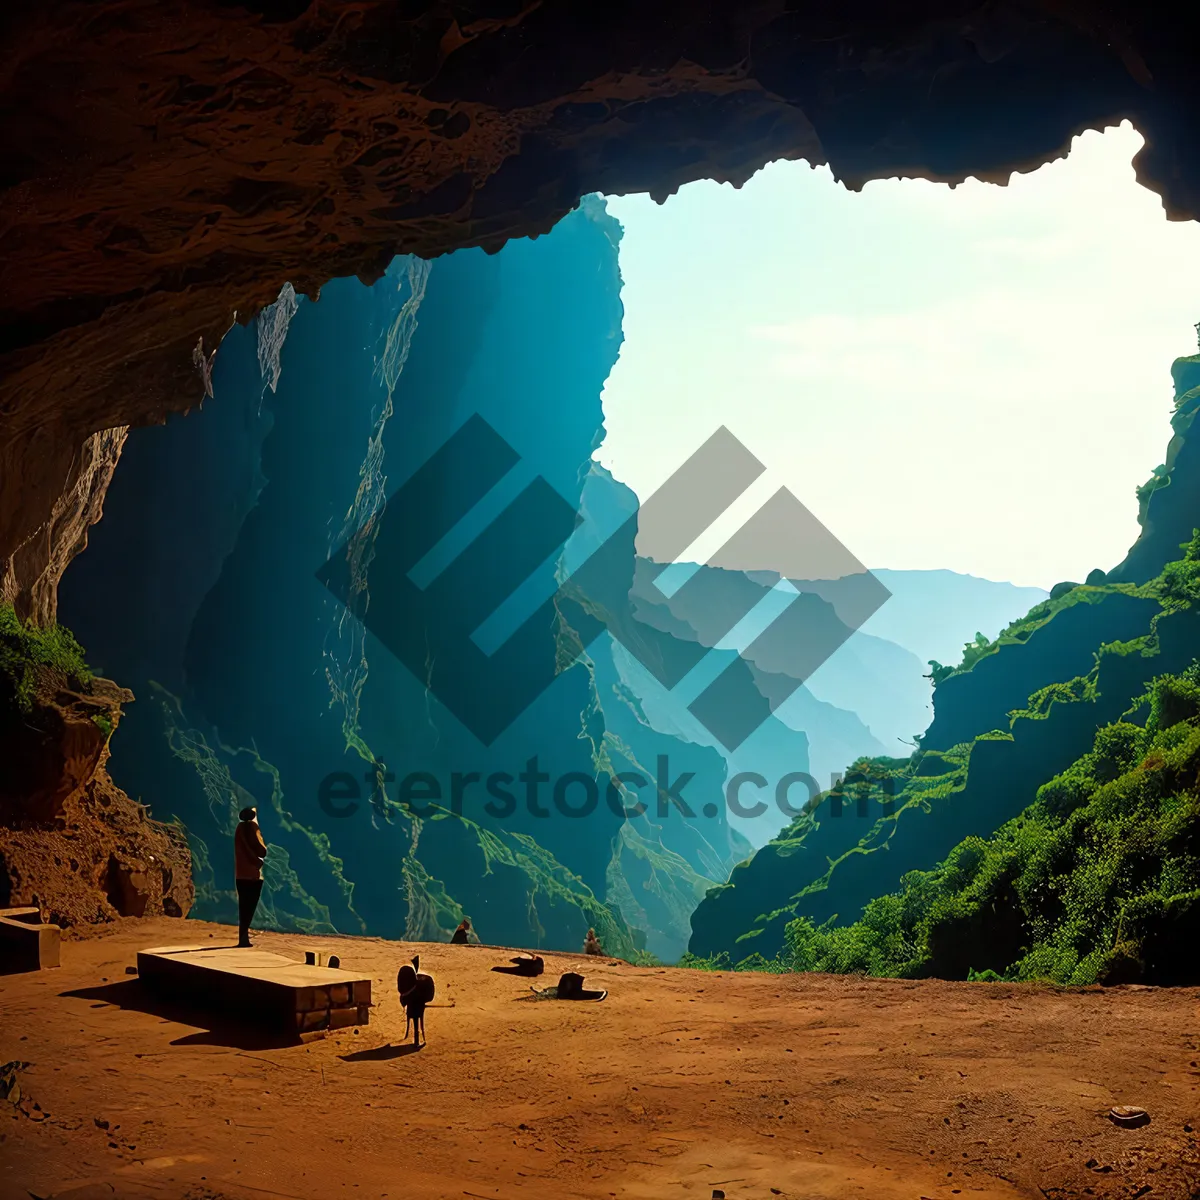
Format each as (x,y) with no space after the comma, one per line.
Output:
(168,166)
(30,576)
(71,841)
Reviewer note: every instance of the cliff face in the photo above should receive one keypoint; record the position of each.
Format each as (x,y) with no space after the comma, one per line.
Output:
(1003,725)
(200,588)
(1171,498)
(71,841)
(168,166)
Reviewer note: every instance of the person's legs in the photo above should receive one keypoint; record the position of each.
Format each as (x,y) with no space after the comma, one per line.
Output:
(249,891)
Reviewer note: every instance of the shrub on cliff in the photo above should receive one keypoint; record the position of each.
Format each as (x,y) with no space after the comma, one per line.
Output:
(26,649)
(1097,881)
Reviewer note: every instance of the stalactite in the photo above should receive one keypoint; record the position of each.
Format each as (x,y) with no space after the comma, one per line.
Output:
(273,324)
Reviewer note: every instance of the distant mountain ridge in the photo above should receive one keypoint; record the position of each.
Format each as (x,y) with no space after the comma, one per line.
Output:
(933,613)
(871,697)
(1010,715)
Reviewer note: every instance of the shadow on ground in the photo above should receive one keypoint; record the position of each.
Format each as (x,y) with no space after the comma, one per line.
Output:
(11,968)
(214,1029)
(381,1053)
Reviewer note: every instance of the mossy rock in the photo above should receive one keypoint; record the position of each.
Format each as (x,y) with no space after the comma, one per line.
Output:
(1123,964)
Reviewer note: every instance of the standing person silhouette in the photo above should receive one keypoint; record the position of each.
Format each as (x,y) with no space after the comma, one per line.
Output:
(249,851)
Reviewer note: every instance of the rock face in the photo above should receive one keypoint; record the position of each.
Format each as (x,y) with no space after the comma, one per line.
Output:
(33,572)
(71,841)
(1002,728)
(200,590)
(168,166)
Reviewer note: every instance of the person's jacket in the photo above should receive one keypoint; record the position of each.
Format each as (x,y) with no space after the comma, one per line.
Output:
(249,850)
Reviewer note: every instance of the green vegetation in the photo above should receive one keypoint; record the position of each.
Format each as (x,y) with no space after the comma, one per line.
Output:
(26,650)
(285,903)
(1092,883)
(1098,880)
(1179,584)
(1160,478)
(1064,596)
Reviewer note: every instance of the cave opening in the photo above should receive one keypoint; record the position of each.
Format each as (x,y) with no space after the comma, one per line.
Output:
(344,424)
(967,386)
(865,342)
(919,366)
(343,365)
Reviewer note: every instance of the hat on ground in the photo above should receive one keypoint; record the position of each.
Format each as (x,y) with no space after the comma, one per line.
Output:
(570,987)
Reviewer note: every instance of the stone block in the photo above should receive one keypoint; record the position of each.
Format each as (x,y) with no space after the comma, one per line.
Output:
(362,991)
(29,916)
(311,997)
(25,946)
(339,1018)
(252,985)
(308,1021)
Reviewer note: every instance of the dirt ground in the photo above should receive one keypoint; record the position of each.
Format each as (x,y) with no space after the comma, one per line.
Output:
(680,1084)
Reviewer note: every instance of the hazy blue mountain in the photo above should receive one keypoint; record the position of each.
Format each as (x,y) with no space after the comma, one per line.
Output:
(870,697)
(883,683)
(1013,716)
(933,613)
(880,671)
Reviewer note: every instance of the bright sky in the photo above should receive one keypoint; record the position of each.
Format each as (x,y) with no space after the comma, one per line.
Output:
(975,378)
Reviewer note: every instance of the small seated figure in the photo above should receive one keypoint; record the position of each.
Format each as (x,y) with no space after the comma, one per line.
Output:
(591,943)
(462,934)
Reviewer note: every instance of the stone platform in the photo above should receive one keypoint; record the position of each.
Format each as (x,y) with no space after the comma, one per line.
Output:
(26,944)
(257,986)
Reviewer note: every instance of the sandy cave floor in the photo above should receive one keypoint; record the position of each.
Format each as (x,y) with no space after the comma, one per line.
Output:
(681,1082)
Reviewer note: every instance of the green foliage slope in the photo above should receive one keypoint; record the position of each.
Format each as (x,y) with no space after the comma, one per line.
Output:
(1097,881)
(942,806)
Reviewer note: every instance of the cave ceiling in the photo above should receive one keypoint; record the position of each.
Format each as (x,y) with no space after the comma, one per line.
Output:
(167,166)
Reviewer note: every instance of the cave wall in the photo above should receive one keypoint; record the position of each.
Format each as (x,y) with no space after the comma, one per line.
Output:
(200,590)
(72,843)
(167,166)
